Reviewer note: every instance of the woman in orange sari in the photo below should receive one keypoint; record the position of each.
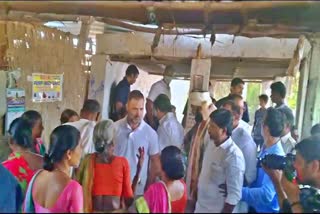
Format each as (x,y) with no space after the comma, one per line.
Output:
(105,178)
(22,162)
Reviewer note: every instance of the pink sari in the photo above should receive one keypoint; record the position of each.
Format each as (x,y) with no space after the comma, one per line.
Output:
(157,200)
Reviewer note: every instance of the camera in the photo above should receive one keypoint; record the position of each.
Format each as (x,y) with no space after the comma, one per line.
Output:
(310,199)
(279,162)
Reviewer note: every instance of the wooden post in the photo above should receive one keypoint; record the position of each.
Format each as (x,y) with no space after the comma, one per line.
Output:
(302,93)
(199,67)
(83,38)
(3,66)
(312,104)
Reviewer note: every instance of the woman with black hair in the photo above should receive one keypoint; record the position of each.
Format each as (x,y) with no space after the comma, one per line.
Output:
(34,119)
(51,189)
(105,177)
(22,162)
(169,194)
(173,172)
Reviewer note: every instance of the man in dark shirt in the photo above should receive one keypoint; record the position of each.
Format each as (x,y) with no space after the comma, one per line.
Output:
(122,91)
(278,95)
(237,86)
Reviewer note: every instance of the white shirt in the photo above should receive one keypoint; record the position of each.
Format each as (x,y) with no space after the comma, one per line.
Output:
(249,150)
(246,126)
(221,165)
(160,87)
(127,143)
(288,143)
(170,131)
(85,128)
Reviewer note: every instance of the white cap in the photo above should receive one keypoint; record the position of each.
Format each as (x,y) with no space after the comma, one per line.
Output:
(197,98)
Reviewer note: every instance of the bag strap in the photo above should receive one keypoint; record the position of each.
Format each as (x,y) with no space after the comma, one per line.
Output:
(29,203)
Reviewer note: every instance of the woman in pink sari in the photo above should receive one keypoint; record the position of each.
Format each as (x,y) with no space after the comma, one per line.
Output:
(51,190)
(158,197)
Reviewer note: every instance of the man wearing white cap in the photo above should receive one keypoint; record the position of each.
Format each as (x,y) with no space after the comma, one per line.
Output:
(160,87)
(200,102)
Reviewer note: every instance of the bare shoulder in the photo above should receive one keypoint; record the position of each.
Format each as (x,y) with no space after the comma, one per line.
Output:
(48,187)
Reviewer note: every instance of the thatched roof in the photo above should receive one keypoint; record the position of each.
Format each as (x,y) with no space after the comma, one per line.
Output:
(252,19)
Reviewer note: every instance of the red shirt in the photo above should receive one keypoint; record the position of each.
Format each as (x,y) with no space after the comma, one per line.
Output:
(179,206)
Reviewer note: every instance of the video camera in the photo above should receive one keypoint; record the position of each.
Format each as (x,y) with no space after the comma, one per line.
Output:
(310,199)
(284,163)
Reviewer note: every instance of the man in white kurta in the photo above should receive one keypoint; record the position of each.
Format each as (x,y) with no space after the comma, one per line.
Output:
(159,87)
(287,141)
(89,114)
(170,131)
(223,165)
(246,144)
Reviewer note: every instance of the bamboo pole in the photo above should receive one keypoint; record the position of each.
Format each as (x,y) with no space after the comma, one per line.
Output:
(92,7)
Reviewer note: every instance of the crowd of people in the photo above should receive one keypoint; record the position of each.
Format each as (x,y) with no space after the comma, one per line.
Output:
(131,163)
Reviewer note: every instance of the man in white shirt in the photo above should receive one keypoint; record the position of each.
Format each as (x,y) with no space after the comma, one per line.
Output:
(247,145)
(244,141)
(89,114)
(160,87)
(287,141)
(170,131)
(223,165)
(238,100)
(132,132)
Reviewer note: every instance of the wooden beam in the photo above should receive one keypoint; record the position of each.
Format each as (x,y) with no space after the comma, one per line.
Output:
(276,31)
(96,8)
(123,24)
(267,12)
(256,30)
(136,44)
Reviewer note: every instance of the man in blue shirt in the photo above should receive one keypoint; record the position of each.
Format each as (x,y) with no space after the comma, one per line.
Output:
(11,196)
(261,195)
(121,93)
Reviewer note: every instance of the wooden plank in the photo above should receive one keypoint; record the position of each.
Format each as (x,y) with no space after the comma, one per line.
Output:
(185,47)
(200,67)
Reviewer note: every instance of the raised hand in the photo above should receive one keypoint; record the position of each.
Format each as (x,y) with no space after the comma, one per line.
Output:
(140,157)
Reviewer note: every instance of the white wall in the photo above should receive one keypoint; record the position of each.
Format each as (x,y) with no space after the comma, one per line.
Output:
(105,73)
(179,96)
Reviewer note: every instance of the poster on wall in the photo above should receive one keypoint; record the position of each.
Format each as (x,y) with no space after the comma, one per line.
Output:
(15,104)
(47,87)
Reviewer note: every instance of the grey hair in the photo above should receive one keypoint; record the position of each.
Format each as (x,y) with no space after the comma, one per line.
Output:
(102,134)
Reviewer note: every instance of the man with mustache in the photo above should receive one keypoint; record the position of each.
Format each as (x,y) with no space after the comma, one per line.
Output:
(131,133)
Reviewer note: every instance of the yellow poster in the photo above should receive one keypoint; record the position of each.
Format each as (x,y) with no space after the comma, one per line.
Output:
(47,87)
